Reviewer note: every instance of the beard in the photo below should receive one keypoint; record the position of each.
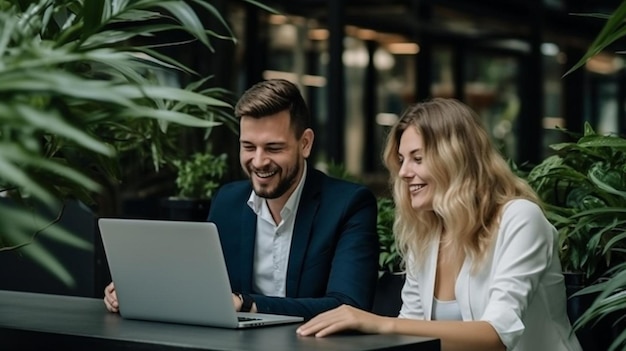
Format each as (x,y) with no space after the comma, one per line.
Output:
(284,183)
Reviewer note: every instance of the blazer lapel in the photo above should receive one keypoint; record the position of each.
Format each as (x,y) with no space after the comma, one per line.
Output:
(428,281)
(307,209)
(247,241)
(463,288)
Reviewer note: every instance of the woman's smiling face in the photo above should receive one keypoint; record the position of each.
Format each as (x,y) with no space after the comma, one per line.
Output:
(413,170)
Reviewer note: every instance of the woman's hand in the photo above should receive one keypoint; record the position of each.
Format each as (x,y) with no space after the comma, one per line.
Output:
(343,318)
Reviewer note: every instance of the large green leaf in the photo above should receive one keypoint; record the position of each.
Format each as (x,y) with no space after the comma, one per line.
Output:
(262,6)
(170,116)
(188,19)
(170,93)
(603,141)
(61,83)
(613,29)
(21,231)
(52,122)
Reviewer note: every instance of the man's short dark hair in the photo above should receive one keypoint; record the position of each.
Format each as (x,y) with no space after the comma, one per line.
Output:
(273,96)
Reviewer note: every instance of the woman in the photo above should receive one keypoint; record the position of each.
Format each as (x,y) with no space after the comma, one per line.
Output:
(482,264)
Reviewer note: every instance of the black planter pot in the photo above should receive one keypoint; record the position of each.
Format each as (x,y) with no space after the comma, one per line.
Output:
(176,209)
(596,336)
(388,299)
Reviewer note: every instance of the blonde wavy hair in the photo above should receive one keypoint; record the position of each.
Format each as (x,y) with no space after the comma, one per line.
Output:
(471,181)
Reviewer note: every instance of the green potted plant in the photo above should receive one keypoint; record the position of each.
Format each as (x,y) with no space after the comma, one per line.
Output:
(197,178)
(583,186)
(83,85)
(388,300)
(609,303)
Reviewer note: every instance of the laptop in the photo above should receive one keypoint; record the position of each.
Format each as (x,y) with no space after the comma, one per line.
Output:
(174,271)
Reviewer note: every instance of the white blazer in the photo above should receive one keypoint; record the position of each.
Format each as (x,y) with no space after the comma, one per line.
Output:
(519,289)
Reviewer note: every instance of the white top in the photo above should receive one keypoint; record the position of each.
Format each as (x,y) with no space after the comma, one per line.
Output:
(446,310)
(519,290)
(273,242)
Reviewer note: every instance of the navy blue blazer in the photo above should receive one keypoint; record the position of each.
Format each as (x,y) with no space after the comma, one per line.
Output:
(334,250)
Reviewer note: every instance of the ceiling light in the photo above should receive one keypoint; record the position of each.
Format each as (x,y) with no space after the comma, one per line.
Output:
(403,48)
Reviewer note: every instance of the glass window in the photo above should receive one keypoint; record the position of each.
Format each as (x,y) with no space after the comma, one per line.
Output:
(491,84)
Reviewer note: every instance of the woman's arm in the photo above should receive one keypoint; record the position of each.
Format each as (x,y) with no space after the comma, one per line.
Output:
(454,335)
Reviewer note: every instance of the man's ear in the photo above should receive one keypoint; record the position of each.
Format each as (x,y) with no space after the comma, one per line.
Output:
(306,142)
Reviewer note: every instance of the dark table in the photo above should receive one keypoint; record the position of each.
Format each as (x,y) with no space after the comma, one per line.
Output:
(30,321)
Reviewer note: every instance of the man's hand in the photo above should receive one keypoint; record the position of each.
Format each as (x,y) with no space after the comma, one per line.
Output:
(237,302)
(110,298)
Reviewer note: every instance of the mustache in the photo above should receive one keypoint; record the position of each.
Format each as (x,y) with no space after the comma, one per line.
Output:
(266,169)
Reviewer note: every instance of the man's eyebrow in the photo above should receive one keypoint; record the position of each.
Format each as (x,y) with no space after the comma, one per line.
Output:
(271,143)
(276,143)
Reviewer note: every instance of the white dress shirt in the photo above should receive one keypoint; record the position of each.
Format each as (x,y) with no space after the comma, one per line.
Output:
(273,242)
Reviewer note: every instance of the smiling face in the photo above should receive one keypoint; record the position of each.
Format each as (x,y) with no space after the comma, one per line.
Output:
(271,155)
(413,171)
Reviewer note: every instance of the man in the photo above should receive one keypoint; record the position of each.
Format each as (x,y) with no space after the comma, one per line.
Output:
(295,241)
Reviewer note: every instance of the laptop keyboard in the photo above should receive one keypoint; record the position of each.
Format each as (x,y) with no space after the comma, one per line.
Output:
(245,319)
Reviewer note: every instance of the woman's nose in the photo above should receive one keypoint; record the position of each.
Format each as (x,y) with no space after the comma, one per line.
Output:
(405,171)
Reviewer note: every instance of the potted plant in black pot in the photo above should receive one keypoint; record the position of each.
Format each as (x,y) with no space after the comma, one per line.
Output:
(604,226)
(583,186)
(197,179)
(388,300)
(610,294)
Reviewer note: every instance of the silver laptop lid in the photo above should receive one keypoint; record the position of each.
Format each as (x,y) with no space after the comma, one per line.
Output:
(168,271)
(174,271)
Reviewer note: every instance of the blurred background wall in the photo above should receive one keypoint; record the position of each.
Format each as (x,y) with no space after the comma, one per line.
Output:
(360,62)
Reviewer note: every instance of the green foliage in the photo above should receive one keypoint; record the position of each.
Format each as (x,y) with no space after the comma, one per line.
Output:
(82,85)
(389,258)
(199,176)
(339,170)
(584,188)
(608,223)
